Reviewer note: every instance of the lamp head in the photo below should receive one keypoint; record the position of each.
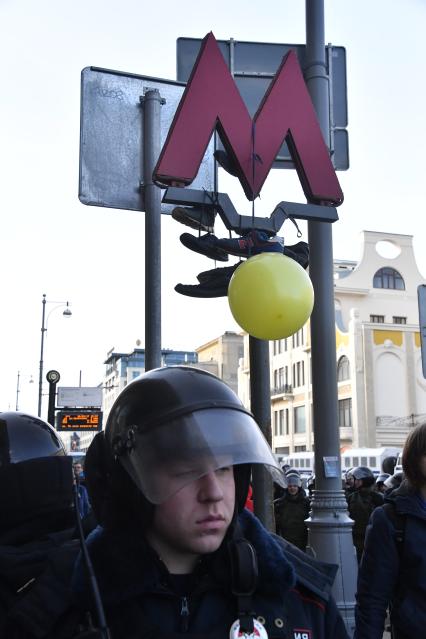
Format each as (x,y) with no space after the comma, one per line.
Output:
(67,312)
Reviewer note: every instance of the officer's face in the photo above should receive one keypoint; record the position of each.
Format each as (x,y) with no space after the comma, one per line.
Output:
(194,520)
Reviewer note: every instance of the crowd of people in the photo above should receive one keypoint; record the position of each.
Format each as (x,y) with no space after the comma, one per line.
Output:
(155,535)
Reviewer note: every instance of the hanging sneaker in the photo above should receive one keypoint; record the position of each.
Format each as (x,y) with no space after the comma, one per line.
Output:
(196,217)
(226,162)
(213,283)
(253,243)
(298,252)
(225,273)
(206,245)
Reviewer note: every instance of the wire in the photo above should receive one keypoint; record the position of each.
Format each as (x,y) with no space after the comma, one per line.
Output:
(103,628)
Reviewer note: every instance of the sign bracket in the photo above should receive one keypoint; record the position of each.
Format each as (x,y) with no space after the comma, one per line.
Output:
(221,202)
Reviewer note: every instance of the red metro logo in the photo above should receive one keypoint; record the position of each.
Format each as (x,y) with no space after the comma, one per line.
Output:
(212,101)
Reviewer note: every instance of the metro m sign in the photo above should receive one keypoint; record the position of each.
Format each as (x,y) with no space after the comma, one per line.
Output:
(212,101)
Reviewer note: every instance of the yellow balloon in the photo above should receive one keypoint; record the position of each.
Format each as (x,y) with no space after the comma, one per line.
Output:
(270,296)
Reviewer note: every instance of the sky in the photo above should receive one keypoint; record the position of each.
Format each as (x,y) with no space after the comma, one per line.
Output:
(93,257)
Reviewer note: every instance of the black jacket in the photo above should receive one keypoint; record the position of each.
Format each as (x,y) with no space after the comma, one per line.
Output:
(290,514)
(361,504)
(143,601)
(394,571)
(35,594)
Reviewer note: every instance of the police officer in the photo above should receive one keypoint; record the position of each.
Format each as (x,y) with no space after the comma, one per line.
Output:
(291,511)
(177,553)
(37,524)
(361,503)
(380,482)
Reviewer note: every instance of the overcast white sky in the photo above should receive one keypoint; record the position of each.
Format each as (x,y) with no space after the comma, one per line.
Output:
(94,257)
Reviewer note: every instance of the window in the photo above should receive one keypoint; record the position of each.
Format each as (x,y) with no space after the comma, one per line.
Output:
(343,369)
(304,463)
(299,420)
(281,422)
(297,338)
(378,319)
(345,412)
(388,278)
(299,374)
(399,320)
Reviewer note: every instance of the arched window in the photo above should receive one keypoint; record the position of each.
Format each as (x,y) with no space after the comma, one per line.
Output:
(343,369)
(388,278)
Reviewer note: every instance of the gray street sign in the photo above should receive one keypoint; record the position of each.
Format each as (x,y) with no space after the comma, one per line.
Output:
(254,64)
(111,138)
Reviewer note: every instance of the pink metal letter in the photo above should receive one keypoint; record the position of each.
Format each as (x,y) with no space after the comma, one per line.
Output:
(212,101)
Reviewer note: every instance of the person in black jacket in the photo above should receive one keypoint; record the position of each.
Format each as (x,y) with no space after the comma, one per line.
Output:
(361,503)
(291,510)
(177,553)
(38,545)
(393,567)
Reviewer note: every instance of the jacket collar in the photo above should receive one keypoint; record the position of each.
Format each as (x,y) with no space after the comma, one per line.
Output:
(125,564)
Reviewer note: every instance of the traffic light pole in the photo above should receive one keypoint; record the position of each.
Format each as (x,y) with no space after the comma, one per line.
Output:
(330,528)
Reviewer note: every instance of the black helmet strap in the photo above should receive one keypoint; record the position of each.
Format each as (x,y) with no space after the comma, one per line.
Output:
(244,571)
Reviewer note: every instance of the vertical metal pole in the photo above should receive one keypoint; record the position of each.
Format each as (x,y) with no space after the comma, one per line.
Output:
(51,404)
(40,375)
(260,401)
(17,392)
(151,102)
(330,528)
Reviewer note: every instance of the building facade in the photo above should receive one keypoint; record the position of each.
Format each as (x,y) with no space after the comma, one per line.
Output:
(381,388)
(122,368)
(221,356)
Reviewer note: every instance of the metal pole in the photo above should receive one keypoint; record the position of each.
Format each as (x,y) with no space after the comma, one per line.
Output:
(40,375)
(330,528)
(260,401)
(151,102)
(51,404)
(17,392)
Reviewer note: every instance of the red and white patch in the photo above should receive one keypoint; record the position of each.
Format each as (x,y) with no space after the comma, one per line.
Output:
(259,631)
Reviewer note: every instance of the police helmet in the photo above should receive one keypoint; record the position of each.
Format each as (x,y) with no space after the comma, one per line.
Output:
(395,480)
(382,478)
(24,437)
(35,473)
(173,425)
(363,473)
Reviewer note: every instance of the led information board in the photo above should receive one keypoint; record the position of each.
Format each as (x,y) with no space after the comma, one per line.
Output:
(79,420)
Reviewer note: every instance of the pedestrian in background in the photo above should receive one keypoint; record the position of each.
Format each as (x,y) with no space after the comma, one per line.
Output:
(393,567)
(291,510)
(361,503)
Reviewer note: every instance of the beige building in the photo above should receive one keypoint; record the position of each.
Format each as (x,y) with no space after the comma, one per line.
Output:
(221,357)
(381,388)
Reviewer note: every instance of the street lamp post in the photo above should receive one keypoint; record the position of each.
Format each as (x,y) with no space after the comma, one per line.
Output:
(18,387)
(67,313)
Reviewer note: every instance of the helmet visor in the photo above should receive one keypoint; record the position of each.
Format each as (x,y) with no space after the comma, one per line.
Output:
(169,456)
